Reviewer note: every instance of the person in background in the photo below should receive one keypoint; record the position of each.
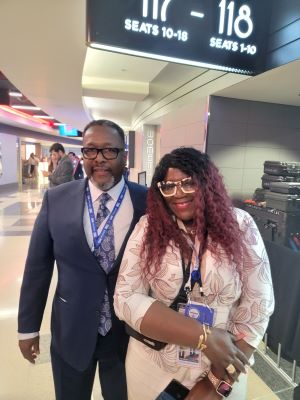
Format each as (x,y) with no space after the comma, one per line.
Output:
(192,242)
(77,167)
(52,163)
(33,163)
(73,229)
(63,172)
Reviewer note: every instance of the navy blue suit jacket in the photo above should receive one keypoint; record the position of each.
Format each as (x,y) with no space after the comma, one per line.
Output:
(58,235)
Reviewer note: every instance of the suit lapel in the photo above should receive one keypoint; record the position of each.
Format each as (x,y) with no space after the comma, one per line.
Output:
(77,205)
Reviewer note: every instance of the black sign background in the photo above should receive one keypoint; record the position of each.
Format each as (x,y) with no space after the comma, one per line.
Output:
(106,27)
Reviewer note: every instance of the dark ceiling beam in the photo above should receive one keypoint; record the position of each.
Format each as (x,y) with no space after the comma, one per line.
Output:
(4,97)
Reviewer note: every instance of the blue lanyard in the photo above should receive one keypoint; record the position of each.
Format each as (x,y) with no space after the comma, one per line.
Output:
(196,278)
(196,271)
(98,238)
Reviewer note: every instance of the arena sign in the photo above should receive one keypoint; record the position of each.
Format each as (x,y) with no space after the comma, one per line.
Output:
(218,34)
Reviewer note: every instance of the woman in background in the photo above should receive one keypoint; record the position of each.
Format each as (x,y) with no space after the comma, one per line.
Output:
(52,163)
(33,163)
(192,237)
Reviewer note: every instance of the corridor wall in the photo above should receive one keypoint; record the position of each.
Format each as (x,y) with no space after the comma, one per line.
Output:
(243,134)
(9,177)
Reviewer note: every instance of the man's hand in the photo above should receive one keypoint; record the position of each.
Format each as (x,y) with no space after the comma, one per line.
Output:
(30,348)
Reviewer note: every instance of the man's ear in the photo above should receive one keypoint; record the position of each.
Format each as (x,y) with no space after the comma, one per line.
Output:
(125,157)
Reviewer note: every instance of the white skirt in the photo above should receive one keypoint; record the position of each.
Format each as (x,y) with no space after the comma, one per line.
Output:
(146,379)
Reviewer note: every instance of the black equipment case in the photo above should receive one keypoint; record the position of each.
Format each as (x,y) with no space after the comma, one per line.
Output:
(285,187)
(259,195)
(275,225)
(283,202)
(266,179)
(282,168)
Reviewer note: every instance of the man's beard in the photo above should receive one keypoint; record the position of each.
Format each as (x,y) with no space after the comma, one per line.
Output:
(105,186)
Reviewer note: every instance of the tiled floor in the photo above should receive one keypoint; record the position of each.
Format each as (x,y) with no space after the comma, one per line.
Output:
(20,380)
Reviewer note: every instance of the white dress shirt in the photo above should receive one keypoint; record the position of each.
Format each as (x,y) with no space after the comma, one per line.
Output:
(122,219)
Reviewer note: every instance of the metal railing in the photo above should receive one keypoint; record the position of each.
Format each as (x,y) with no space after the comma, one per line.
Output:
(290,379)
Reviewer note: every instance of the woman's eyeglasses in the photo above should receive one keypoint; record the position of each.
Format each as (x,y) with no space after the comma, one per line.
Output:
(108,153)
(169,188)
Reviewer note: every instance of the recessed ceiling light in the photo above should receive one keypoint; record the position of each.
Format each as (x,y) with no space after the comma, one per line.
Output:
(26,107)
(15,94)
(43,116)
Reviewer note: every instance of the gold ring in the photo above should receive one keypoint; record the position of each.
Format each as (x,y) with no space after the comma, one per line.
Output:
(230,369)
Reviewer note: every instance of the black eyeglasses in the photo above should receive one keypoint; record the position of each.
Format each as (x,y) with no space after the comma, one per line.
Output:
(108,153)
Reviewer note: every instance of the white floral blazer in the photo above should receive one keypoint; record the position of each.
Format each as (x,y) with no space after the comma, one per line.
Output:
(243,300)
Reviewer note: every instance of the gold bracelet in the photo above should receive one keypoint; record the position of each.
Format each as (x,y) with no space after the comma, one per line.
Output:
(200,342)
(203,338)
(205,333)
(207,330)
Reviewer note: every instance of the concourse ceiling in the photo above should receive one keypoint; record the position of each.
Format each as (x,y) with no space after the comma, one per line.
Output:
(43,54)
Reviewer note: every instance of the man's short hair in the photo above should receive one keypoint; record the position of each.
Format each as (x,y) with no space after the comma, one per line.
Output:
(57,147)
(109,124)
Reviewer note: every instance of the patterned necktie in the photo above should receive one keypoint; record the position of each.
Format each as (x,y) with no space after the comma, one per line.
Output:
(106,257)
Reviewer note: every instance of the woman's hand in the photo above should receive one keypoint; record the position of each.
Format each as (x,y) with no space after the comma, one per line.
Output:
(203,390)
(222,351)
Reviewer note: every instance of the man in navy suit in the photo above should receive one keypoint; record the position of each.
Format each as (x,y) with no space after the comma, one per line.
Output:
(65,232)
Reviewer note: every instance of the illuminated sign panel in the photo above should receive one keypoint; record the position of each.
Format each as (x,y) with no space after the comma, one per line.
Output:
(220,34)
(66,130)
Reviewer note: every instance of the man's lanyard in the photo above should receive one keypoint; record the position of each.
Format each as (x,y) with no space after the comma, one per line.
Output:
(98,238)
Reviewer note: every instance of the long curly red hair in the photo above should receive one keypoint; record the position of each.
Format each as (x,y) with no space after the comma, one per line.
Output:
(214,215)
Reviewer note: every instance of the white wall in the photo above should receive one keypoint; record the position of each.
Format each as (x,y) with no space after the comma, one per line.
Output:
(185,126)
(138,156)
(9,159)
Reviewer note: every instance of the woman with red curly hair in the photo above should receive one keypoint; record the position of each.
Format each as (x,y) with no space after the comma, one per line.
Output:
(194,287)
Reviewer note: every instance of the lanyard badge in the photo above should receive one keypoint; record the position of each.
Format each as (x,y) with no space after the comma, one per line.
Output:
(199,311)
(98,238)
